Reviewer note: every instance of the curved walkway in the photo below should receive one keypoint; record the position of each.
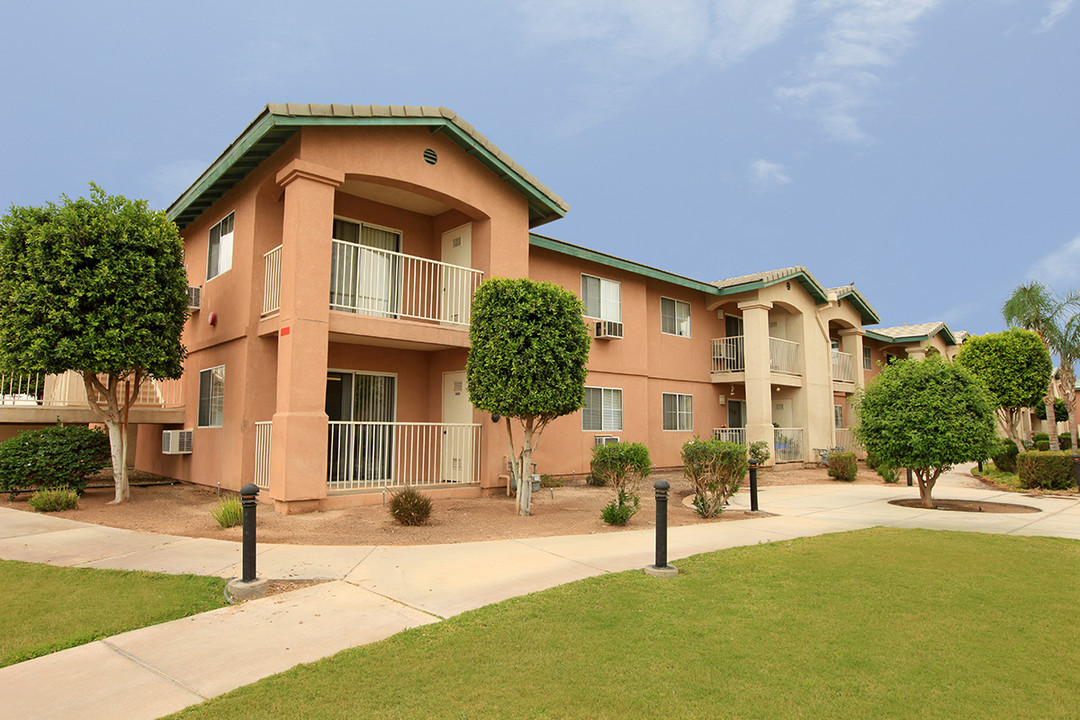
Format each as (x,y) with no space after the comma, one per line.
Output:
(376,592)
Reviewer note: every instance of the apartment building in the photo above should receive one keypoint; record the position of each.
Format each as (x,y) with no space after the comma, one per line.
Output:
(332,253)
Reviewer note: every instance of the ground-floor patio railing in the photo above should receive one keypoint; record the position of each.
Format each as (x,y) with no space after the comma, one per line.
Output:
(788,444)
(731,435)
(369,455)
(262,454)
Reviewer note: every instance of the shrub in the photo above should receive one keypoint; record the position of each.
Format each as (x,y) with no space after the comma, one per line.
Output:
(1005,456)
(759,450)
(595,480)
(1042,445)
(410,507)
(55,499)
(550,481)
(715,470)
(842,466)
(1065,441)
(1046,470)
(1040,436)
(621,508)
(229,512)
(621,465)
(61,455)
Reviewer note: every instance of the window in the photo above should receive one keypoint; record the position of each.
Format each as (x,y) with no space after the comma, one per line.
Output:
(674,317)
(219,253)
(866,362)
(838,416)
(366,271)
(602,298)
(211,396)
(603,409)
(678,412)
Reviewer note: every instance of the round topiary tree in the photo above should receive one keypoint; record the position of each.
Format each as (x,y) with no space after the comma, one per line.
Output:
(927,415)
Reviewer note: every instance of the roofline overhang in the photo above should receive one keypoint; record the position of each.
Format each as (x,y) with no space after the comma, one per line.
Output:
(950,339)
(868,315)
(812,287)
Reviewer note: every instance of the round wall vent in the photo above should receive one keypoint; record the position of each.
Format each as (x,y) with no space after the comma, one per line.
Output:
(431,157)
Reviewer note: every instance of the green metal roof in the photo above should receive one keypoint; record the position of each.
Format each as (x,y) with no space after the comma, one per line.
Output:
(577,251)
(280,121)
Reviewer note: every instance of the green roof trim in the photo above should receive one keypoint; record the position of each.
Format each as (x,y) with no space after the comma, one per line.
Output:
(867,313)
(944,330)
(279,122)
(757,282)
(559,246)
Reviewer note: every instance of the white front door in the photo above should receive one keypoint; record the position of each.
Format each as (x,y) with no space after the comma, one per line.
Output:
(458,449)
(455,300)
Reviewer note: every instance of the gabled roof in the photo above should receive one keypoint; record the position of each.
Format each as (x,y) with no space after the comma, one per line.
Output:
(913,333)
(848,292)
(756,281)
(595,256)
(280,121)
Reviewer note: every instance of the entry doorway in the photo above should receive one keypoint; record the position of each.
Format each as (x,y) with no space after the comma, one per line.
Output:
(458,453)
(361,409)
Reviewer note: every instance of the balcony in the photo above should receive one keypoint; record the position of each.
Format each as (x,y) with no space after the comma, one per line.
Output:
(381,283)
(39,397)
(731,435)
(729,356)
(843,367)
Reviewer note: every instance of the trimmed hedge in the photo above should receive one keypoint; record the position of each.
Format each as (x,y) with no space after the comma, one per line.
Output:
(842,466)
(1005,458)
(1045,470)
(61,455)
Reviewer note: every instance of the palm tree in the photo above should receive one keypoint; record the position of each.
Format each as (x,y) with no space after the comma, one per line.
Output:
(1068,348)
(1035,307)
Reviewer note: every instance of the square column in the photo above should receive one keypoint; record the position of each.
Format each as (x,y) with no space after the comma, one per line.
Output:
(851,342)
(298,451)
(758,375)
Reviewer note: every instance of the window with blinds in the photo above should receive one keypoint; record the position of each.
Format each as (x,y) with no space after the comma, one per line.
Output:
(674,317)
(603,409)
(678,411)
(219,251)
(212,397)
(602,298)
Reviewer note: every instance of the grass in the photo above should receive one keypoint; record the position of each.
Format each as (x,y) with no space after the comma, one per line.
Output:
(877,623)
(1006,480)
(52,608)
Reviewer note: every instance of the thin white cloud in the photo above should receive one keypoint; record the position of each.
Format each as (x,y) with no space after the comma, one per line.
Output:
(1060,269)
(1058,10)
(766,174)
(863,38)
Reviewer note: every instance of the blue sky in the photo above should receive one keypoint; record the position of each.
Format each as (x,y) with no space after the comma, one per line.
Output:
(924,149)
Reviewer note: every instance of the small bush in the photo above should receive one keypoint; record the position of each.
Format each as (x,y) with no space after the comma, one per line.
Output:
(1040,436)
(410,507)
(595,480)
(843,466)
(715,470)
(550,481)
(1065,441)
(759,450)
(1005,457)
(55,499)
(621,508)
(1042,445)
(229,512)
(61,455)
(1045,470)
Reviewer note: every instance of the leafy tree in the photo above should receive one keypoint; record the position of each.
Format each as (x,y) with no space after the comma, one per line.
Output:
(97,286)
(527,361)
(1061,409)
(1015,367)
(927,415)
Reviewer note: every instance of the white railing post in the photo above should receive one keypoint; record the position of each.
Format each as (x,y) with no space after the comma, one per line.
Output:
(731,435)
(728,354)
(785,356)
(272,281)
(263,434)
(843,366)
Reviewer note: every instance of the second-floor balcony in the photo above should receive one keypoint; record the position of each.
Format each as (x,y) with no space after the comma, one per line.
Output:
(729,355)
(382,283)
(43,398)
(843,367)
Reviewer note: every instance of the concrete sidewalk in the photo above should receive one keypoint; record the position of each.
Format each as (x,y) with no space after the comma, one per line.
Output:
(376,592)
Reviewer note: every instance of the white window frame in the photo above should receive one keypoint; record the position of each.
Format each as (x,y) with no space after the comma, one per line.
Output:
(611,416)
(214,399)
(679,329)
(683,412)
(610,299)
(867,359)
(838,417)
(224,242)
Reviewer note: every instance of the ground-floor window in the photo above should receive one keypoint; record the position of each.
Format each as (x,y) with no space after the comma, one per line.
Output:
(838,416)
(212,396)
(603,409)
(678,411)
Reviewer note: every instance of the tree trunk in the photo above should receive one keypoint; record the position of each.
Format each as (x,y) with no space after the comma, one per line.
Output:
(117,446)
(1051,420)
(926,487)
(524,496)
(114,415)
(1010,419)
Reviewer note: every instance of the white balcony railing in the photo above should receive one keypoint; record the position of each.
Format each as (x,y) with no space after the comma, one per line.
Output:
(263,431)
(788,444)
(272,281)
(843,367)
(728,355)
(368,455)
(68,389)
(785,356)
(391,284)
(731,435)
(845,438)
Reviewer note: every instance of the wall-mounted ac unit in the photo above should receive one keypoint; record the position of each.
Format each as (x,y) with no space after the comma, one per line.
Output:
(176,442)
(194,297)
(608,329)
(606,440)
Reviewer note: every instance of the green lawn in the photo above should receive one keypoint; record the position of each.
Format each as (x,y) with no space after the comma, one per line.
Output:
(50,608)
(882,623)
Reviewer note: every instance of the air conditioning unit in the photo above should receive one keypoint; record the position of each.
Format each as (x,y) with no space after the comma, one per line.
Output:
(176,442)
(194,297)
(606,440)
(608,329)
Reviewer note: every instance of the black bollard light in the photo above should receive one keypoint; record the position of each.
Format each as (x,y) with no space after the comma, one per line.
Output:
(248,498)
(980,466)
(909,483)
(1076,470)
(661,567)
(753,484)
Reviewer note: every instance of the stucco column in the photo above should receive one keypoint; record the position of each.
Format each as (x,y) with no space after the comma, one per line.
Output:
(917,353)
(758,376)
(851,343)
(815,413)
(298,449)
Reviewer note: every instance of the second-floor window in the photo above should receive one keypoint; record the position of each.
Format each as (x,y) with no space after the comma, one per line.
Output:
(866,362)
(219,251)
(678,411)
(603,409)
(674,317)
(212,397)
(602,298)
